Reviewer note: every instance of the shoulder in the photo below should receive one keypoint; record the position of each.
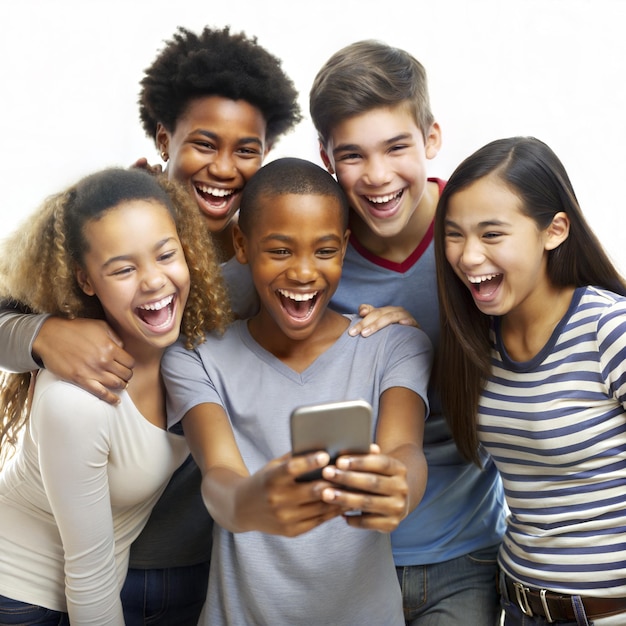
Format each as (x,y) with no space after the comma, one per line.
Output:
(62,395)
(59,405)
(399,336)
(214,345)
(601,304)
(414,341)
(599,315)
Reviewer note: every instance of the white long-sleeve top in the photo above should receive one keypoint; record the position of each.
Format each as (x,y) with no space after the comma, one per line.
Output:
(75,496)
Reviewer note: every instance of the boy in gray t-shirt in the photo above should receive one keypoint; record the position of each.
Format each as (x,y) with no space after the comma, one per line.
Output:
(286,552)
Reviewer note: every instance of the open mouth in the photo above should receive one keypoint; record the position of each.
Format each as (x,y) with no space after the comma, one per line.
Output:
(298,305)
(486,285)
(213,200)
(157,315)
(385,204)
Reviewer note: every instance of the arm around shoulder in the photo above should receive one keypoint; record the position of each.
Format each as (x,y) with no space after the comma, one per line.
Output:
(17,334)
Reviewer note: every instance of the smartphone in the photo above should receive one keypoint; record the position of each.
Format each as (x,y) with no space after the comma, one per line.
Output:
(336,427)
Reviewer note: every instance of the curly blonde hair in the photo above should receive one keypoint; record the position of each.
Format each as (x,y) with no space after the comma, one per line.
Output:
(38,263)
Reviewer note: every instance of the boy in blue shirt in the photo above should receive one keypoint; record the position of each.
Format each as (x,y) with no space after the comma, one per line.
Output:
(370,106)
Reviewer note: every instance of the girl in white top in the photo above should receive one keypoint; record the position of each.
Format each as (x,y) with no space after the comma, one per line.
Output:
(125,247)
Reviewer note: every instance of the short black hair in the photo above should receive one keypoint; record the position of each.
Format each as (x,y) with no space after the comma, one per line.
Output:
(216,62)
(288,175)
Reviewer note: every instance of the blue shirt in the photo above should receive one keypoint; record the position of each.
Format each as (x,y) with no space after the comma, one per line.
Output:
(463,508)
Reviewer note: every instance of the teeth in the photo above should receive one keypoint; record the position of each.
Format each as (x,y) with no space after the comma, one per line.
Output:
(481,279)
(298,297)
(383,199)
(156,306)
(214,191)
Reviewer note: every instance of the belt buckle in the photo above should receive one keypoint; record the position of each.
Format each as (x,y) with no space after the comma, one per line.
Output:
(544,604)
(522,600)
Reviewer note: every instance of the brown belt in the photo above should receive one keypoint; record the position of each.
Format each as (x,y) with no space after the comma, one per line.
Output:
(557,607)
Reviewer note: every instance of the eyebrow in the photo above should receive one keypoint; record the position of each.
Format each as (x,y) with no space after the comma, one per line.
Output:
(126,257)
(287,238)
(210,135)
(484,224)
(352,147)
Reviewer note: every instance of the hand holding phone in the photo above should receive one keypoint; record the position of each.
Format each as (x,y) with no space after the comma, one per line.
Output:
(336,427)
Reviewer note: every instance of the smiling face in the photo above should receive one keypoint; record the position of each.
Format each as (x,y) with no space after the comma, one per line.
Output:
(218,144)
(295,251)
(498,251)
(379,158)
(136,267)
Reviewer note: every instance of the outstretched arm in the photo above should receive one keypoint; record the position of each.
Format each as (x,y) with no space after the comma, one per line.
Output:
(269,500)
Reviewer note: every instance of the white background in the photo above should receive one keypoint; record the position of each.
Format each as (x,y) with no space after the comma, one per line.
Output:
(555,69)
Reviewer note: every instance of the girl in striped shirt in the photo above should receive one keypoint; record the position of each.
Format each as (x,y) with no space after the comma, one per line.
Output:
(533,369)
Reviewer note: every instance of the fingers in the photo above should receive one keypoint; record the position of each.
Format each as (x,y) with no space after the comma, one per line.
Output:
(87,353)
(374,484)
(286,507)
(143,164)
(378,474)
(374,319)
(115,370)
(101,392)
(306,467)
(291,522)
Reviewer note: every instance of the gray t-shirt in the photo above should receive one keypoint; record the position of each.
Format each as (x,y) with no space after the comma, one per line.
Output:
(334,574)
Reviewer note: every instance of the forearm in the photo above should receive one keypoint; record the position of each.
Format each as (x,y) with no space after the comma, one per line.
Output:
(17,334)
(412,457)
(220,490)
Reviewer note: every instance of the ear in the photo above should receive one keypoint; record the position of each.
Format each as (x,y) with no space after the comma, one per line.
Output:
(432,141)
(326,159)
(83,281)
(268,148)
(240,242)
(558,231)
(162,139)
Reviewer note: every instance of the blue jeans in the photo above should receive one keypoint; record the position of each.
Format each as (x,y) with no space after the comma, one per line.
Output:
(162,597)
(16,613)
(459,592)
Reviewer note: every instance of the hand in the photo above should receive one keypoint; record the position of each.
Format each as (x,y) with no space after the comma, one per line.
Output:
(142,164)
(376,318)
(271,501)
(375,484)
(85,352)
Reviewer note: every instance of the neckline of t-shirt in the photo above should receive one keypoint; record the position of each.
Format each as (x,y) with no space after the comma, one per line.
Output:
(394,266)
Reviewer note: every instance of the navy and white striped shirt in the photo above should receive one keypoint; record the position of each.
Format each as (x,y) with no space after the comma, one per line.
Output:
(556,428)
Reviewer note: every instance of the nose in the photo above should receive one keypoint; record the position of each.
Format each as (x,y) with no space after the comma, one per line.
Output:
(472,253)
(377,171)
(222,166)
(152,279)
(302,269)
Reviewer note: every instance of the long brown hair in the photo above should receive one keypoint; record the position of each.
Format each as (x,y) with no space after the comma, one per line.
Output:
(37,268)
(535,174)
